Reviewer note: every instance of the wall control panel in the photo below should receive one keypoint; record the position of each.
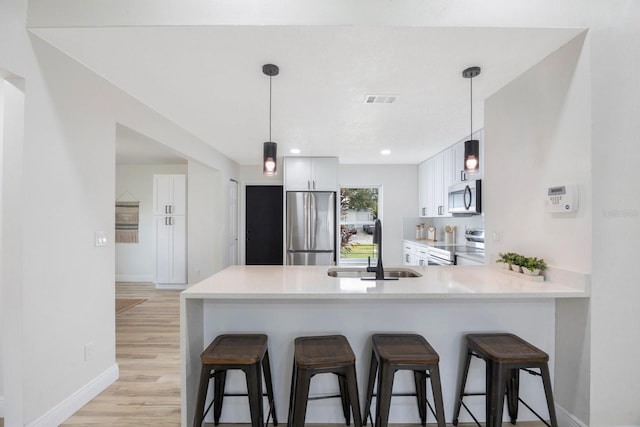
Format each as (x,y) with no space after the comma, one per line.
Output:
(562,199)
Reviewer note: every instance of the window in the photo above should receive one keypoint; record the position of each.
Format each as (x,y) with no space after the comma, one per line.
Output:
(359,208)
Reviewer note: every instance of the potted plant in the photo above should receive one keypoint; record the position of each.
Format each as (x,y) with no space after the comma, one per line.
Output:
(533,266)
(507,259)
(518,261)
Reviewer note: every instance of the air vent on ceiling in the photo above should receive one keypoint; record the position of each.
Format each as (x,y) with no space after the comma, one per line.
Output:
(380,99)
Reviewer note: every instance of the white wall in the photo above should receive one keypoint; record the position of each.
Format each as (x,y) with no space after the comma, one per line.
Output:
(399,199)
(615,379)
(11,263)
(61,192)
(207,226)
(2,84)
(535,138)
(135,261)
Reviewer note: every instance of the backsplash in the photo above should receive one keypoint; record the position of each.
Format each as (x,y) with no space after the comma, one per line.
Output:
(460,222)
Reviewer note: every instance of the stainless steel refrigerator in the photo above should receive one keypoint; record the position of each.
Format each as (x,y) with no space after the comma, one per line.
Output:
(311,228)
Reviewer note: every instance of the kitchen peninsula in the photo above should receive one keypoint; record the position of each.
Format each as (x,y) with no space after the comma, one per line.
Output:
(443,304)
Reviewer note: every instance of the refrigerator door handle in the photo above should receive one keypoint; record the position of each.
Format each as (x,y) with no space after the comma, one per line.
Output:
(306,220)
(313,216)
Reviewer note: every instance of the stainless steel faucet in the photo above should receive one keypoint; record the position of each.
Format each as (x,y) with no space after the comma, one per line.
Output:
(377,240)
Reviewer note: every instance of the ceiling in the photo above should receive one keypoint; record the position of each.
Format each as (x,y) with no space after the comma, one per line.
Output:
(133,148)
(209,81)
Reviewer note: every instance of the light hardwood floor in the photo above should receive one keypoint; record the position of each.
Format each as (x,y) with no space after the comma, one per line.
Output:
(148,355)
(147,352)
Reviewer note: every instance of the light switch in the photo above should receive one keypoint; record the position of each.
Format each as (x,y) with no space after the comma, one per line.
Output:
(101,238)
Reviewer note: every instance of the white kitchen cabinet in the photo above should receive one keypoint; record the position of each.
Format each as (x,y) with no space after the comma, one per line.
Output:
(170,225)
(434,178)
(171,249)
(408,253)
(423,188)
(447,179)
(311,173)
(421,256)
(414,254)
(169,194)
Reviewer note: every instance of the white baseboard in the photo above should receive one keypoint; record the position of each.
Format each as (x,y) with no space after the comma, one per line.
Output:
(1,406)
(567,419)
(180,286)
(133,278)
(78,399)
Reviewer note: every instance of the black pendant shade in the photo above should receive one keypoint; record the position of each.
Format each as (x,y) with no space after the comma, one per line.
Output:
(270,149)
(270,154)
(471,155)
(472,146)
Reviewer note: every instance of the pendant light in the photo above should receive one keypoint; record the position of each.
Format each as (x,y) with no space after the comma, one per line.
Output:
(270,148)
(472,146)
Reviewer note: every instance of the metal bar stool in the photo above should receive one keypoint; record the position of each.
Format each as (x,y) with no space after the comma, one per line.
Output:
(321,355)
(505,355)
(394,352)
(247,352)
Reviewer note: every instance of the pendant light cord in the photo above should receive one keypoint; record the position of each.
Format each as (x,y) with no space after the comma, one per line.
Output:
(270,108)
(471,105)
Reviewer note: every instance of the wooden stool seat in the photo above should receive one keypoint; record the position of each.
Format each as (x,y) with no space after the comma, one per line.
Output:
(323,352)
(505,355)
(247,352)
(235,349)
(320,355)
(506,348)
(394,352)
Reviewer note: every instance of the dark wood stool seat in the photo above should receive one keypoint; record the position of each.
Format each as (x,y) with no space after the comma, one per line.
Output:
(394,352)
(505,355)
(247,352)
(321,355)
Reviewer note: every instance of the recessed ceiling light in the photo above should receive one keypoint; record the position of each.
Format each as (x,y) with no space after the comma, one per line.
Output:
(295,151)
(385,152)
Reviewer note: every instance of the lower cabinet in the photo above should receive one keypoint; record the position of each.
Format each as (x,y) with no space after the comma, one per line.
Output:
(414,254)
(171,250)
(421,255)
(408,253)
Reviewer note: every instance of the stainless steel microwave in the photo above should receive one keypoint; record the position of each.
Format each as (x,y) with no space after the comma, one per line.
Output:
(466,198)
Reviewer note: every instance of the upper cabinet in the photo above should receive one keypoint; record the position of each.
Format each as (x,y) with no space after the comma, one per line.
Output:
(311,173)
(434,178)
(438,173)
(169,194)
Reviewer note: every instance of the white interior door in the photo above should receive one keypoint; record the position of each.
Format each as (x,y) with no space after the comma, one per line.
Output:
(233,222)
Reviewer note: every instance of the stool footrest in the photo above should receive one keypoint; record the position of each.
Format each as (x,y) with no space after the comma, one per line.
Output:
(329,396)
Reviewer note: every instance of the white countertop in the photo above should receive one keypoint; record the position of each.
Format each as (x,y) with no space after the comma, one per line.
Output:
(436,282)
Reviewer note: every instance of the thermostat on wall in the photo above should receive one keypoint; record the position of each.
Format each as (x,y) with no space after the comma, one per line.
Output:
(562,199)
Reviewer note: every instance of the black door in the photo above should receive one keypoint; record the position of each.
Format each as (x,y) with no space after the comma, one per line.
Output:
(263,240)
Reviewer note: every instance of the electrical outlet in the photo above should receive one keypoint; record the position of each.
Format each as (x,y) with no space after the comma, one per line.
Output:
(88,351)
(497,236)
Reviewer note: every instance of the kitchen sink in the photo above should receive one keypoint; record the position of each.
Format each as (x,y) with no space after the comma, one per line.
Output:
(362,272)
